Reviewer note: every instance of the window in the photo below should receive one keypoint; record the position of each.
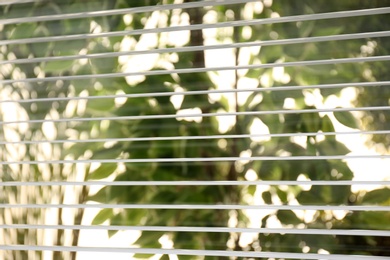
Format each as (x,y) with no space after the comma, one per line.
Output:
(218,129)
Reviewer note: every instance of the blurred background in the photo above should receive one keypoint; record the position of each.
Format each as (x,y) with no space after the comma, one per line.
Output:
(113,49)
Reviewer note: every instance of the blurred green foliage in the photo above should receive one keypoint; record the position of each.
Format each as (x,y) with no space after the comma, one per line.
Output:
(218,171)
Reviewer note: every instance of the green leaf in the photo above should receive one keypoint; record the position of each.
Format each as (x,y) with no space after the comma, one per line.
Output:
(307,28)
(116,220)
(328,31)
(110,153)
(375,220)
(282,195)
(381,196)
(346,118)
(252,189)
(340,194)
(142,256)
(73,47)
(267,197)
(133,217)
(330,146)
(326,124)
(102,216)
(103,105)
(103,171)
(165,257)
(149,239)
(103,195)
(309,197)
(58,66)
(111,233)
(24,30)
(316,242)
(166,196)
(311,122)
(40,49)
(288,217)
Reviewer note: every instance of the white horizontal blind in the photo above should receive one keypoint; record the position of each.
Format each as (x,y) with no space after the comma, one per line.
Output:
(58,147)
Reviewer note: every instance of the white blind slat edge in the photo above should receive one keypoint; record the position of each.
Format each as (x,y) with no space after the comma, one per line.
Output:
(216,114)
(305,40)
(196,206)
(297,18)
(203,159)
(134,10)
(198,70)
(10,2)
(189,252)
(341,232)
(204,92)
(208,137)
(188,183)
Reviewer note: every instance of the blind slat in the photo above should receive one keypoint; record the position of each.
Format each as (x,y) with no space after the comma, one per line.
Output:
(196,206)
(341,232)
(198,70)
(217,114)
(191,252)
(208,137)
(298,18)
(134,10)
(10,2)
(203,159)
(190,183)
(204,92)
(205,47)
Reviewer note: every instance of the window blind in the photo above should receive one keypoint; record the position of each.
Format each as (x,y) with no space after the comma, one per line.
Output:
(206,129)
